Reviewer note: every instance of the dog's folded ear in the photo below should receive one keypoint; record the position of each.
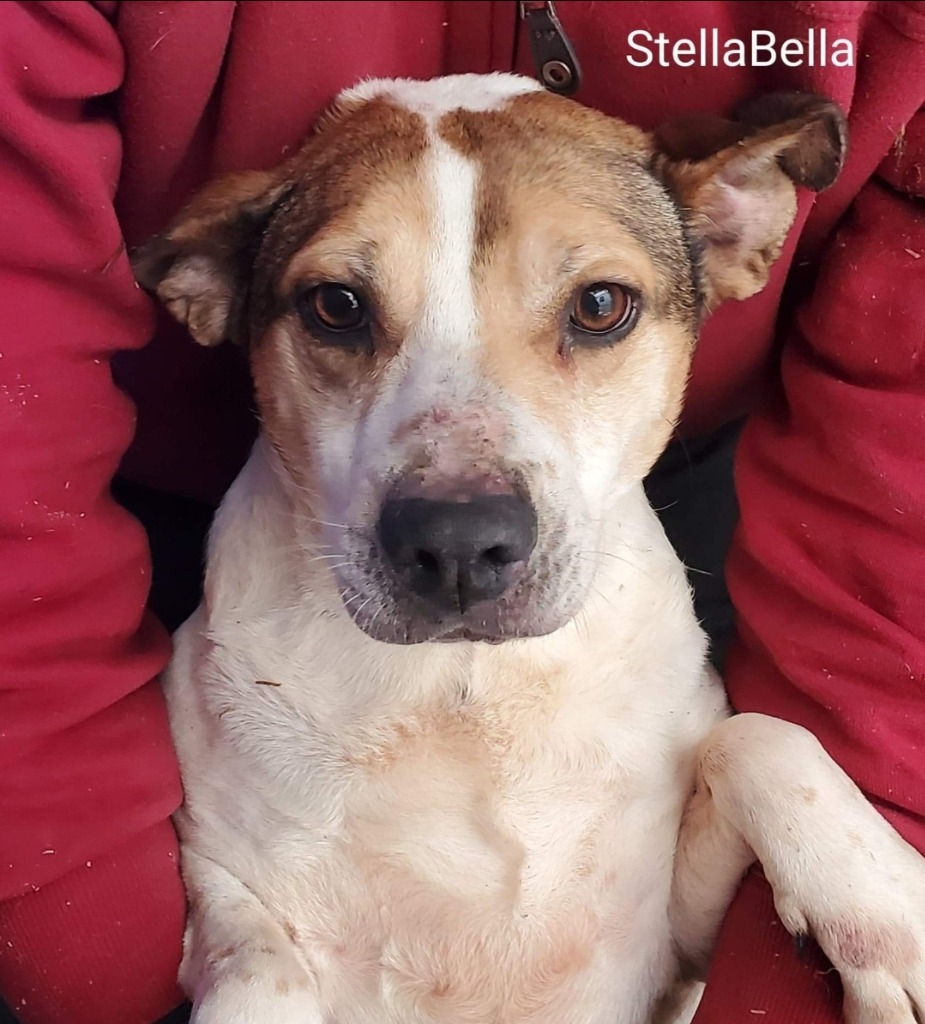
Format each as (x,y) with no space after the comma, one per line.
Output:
(199,266)
(735,181)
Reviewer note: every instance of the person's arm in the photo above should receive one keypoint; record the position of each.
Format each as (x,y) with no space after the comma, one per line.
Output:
(827,571)
(91,905)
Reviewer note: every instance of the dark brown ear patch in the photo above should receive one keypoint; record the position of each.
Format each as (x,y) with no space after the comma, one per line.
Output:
(735,182)
(696,138)
(199,267)
(818,155)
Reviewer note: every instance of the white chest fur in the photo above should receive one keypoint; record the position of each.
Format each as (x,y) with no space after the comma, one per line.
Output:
(451,832)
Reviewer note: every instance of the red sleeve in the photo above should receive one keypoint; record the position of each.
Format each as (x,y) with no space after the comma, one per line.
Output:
(91,908)
(828,569)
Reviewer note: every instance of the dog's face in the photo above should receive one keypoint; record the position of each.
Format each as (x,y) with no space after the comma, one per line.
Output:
(470,308)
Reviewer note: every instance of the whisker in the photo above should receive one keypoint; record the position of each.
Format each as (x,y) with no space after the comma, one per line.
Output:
(607,554)
(340,565)
(604,597)
(320,522)
(581,626)
(619,558)
(375,616)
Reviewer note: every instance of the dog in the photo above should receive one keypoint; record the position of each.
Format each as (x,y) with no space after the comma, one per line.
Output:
(450,745)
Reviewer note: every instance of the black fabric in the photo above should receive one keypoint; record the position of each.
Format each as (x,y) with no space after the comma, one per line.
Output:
(177,529)
(691,488)
(179,1016)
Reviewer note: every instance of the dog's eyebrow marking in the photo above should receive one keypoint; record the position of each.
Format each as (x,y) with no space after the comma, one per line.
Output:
(572,265)
(352,266)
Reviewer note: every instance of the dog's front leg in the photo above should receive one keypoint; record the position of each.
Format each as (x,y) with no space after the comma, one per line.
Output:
(766,789)
(239,966)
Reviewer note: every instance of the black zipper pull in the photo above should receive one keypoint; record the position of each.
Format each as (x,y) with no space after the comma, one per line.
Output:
(556,64)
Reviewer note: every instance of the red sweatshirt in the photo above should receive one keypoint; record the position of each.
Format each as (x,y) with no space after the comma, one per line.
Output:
(110,115)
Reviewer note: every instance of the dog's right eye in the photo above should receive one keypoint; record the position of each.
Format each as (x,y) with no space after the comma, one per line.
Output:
(604,311)
(336,314)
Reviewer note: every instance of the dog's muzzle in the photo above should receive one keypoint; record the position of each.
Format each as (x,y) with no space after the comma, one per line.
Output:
(455,556)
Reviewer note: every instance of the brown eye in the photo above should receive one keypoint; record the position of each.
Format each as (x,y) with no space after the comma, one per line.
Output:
(335,307)
(604,308)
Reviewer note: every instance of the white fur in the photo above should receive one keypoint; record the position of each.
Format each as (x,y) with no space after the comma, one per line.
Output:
(453,833)
(449,317)
(443,95)
(462,864)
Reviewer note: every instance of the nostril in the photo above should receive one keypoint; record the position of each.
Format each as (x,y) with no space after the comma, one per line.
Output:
(427,562)
(500,556)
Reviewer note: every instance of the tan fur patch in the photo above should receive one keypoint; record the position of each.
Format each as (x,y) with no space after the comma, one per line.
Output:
(545,227)
(362,225)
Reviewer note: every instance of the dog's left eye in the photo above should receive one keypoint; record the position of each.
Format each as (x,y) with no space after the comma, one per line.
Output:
(608,311)
(334,312)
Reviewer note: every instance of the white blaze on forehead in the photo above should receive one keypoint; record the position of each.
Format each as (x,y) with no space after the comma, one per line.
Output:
(437,362)
(438,96)
(436,368)
(436,365)
(448,327)
(449,321)
(434,378)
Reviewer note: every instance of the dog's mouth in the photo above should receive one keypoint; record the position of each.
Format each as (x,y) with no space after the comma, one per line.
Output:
(450,570)
(472,636)
(486,560)
(398,617)
(495,632)
(543,595)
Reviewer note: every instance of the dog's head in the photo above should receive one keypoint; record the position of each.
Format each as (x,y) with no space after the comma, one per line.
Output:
(469,307)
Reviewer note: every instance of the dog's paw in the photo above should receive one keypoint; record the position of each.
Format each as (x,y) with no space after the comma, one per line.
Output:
(250,982)
(839,872)
(866,910)
(253,1000)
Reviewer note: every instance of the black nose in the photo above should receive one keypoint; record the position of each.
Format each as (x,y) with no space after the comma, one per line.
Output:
(457,553)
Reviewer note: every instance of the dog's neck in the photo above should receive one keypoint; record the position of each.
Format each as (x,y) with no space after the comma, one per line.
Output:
(270,592)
